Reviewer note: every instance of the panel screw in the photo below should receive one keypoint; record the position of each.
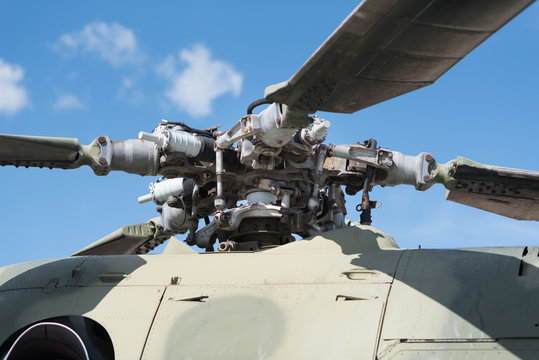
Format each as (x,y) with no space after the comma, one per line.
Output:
(426,178)
(101,140)
(102,160)
(428,157)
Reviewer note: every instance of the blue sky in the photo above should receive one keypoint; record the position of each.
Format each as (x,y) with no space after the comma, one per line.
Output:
(76,69)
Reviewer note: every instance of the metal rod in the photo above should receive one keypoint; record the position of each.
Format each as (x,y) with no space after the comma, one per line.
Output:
(365,217)
(219,199)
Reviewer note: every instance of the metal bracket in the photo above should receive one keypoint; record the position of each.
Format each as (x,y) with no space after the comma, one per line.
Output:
(378,158)
(266,126)
(232,219)
(105,155)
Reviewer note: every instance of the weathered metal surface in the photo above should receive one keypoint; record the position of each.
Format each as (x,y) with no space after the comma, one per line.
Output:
(130,239)
(348,294)
(464,296)
(509,192)
(386,48)
(268,321)
(39,151)
(295,299)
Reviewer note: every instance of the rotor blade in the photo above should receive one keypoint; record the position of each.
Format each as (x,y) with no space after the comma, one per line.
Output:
(386,48)
(131,239)
(132,156)
(510,192)
(51,152)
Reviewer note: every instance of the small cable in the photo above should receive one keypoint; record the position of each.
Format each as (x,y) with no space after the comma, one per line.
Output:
(257,103)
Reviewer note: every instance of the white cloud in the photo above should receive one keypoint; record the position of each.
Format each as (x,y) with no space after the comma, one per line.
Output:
(13,97)
(67,102)
(127,83)
(112,42)
(202,80)
(130,92)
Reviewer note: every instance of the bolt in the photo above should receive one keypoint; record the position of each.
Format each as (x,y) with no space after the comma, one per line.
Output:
(102,160)
(426,178)
(390,155)
(101,140)
(428,157)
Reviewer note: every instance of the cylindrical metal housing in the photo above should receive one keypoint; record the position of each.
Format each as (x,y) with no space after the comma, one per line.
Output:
(200,147)
(161,191)
(184,142)
(271,132)
(135,157)
(261,197)
(173,219)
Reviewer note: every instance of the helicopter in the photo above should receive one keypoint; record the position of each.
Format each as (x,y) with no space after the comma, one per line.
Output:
(367,254)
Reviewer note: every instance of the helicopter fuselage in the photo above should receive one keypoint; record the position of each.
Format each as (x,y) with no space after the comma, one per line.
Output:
(351,293)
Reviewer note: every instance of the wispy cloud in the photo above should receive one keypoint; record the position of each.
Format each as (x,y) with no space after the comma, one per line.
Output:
(130,91)
(127,83)
(13,96)
(112,42)
(67,102)
(200,81)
